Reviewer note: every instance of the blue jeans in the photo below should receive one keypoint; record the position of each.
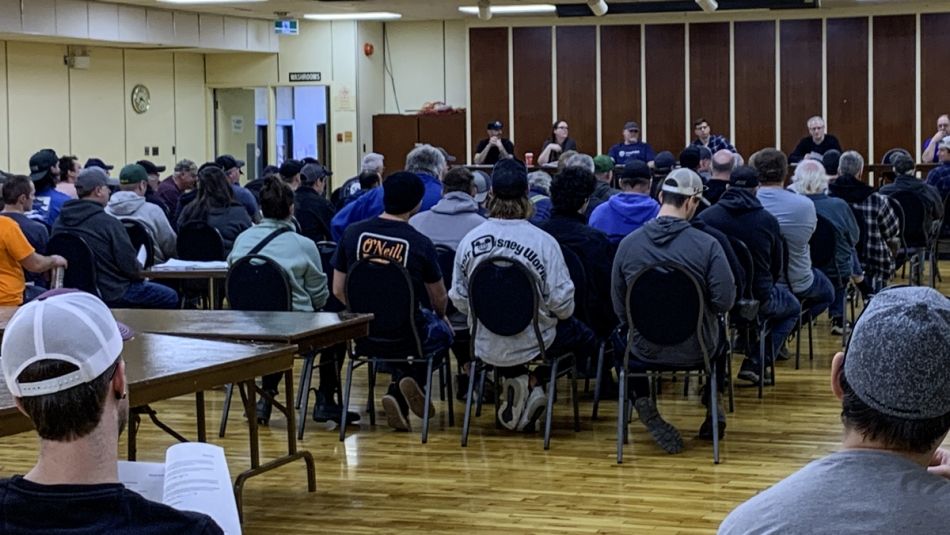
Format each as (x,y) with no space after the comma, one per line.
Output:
(781,313)
(436,338)
(821,294)
(147,295)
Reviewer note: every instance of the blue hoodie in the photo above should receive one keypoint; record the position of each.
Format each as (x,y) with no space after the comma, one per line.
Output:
(370,205)
(623,213)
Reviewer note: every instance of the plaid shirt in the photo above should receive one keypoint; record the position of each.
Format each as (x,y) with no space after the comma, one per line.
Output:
(880,223)
(939,178)
(715,144)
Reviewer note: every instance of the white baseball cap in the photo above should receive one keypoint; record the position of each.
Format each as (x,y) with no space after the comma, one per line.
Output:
(66,325)
(685,182)
(944,143)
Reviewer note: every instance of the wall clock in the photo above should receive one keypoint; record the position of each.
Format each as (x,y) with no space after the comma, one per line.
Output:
(141,99)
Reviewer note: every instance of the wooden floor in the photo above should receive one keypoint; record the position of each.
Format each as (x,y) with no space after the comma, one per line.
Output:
(381,481)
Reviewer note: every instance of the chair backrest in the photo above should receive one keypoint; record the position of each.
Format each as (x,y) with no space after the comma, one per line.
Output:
(327,249)
(256,282)
(822,245)
(445,255)
(197,240)
(317,233)
(503,297)
(914,221)
(578,274)
(140,237)
(81,273)
(746,261)
(379,286)
(665,306)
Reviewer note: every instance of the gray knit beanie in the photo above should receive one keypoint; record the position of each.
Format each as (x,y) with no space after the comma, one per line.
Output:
(898,360)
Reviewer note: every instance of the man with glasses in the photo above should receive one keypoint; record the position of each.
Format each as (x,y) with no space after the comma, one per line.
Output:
(817,142)
(632,148)
(931,144)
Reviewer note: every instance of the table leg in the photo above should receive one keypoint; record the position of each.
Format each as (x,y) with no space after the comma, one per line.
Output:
(200,411)
(133,421)
(211,294)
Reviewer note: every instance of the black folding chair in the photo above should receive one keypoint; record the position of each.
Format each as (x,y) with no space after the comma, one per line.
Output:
(665,307)
(81,273)
(582,311)
(744,316)
(503,298)
(916,234)
(140,237)
(446,258)
(255,282)
(379,286)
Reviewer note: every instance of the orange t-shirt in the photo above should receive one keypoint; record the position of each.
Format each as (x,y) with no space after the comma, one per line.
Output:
(13,249)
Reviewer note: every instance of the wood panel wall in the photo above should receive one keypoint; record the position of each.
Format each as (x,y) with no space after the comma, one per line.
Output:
(934,73)
(666,100)
(801,78)
(577,83)
(709,75)
(488,57)
(754,85)
(620,81)
(847,49)
(531,60)
(894,84)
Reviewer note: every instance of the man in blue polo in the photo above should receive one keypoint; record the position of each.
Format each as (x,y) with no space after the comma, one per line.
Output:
(940,176)
(632,148)
(426,161)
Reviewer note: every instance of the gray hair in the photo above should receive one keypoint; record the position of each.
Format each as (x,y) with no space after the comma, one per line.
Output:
(427,160)
(542,180)
(851,163)
(580,160)
(815,119)
(810,177)
(372,162)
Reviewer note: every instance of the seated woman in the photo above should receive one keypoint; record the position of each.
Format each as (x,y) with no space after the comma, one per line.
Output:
(556,144)
(275,238)
(216,206)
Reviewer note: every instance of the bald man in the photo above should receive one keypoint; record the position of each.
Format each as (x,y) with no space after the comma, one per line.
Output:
(723,162)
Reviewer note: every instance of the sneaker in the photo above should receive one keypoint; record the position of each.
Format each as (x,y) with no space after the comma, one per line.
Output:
(264,408)
(664,434)
(514,394)
(328,411)
(396,415)
(837,326)
(748,374)
(705,430)
(415,397)
(534,408)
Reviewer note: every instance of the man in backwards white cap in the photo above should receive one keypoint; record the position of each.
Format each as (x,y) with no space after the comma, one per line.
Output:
(71,384)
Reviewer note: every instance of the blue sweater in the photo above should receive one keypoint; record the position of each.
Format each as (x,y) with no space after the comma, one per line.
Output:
(622,214)
(370,204)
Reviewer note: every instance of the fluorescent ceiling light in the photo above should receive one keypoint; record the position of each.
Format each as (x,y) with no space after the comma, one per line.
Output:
(523,9)
(210,1)
(377,15)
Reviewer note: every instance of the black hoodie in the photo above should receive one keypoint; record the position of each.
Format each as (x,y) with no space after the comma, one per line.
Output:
(116,265)
(849,188)
(740,214)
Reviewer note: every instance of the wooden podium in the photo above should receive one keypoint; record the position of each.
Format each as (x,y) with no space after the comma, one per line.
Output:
(395,135)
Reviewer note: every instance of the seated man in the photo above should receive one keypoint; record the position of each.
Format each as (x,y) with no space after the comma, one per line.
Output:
(670,237)
(71,383)
(739,214)
(631,148)
(893,385)
(311,208)
(817,142)
(604,173)
(906,181)
(631,208)
(455,214)
(18,254)
(117,269)
(508,234)
(129,203)
(18,193)
(391,236)
(170,189)
(47,201)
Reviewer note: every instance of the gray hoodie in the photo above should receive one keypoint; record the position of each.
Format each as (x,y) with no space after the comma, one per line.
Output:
(673,239)
(449,220)
(130,205)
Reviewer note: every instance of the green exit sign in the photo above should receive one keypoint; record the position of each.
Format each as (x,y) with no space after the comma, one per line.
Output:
(286,27)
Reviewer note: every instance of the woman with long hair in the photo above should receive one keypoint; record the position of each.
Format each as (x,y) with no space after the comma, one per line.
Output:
(556,144)
(216,206)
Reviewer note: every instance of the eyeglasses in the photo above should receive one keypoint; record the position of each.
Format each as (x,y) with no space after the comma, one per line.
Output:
(561,127)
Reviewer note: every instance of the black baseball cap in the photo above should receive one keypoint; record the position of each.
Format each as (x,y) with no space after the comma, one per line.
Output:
(151,168)
(96,162)
(744,176)
(636,169)
(290,168)
(509,179)
(690,157)
(495,125)
(664,161)
(227,162)
(42,162)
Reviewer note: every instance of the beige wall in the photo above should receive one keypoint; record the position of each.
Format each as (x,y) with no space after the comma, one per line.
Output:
(428,63)
(234,103)
(89,113)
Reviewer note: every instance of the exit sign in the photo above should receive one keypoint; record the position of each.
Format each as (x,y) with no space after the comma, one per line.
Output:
(286,27)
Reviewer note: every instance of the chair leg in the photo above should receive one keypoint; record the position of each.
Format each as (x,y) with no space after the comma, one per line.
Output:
(481,391)
(447,371)
(621,414)
(442,381)
(685,385)
(798,341)
(574,397)
(371,400)
(732,387)
(228,392)
(811,341)
(466,420)
(600,376)
(552,390)
(425,411)
(763,356)
(714,408)
(346,399)
(303,393)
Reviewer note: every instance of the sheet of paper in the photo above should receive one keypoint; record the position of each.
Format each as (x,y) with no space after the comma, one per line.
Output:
(174,263)
(142,255)
(197,479)
(147,479)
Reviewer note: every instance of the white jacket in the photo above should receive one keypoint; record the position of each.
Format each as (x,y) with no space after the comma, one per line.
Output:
(521,241)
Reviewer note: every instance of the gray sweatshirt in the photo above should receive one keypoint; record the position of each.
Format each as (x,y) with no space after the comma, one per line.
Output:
(449,220)
(673,239)
(518,240)
(129,205)
(797,221)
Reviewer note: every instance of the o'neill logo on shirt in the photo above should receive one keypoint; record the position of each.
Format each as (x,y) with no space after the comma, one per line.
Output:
(395,249)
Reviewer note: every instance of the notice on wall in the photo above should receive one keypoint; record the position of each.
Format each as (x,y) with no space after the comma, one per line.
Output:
(344,100)
(237,124)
